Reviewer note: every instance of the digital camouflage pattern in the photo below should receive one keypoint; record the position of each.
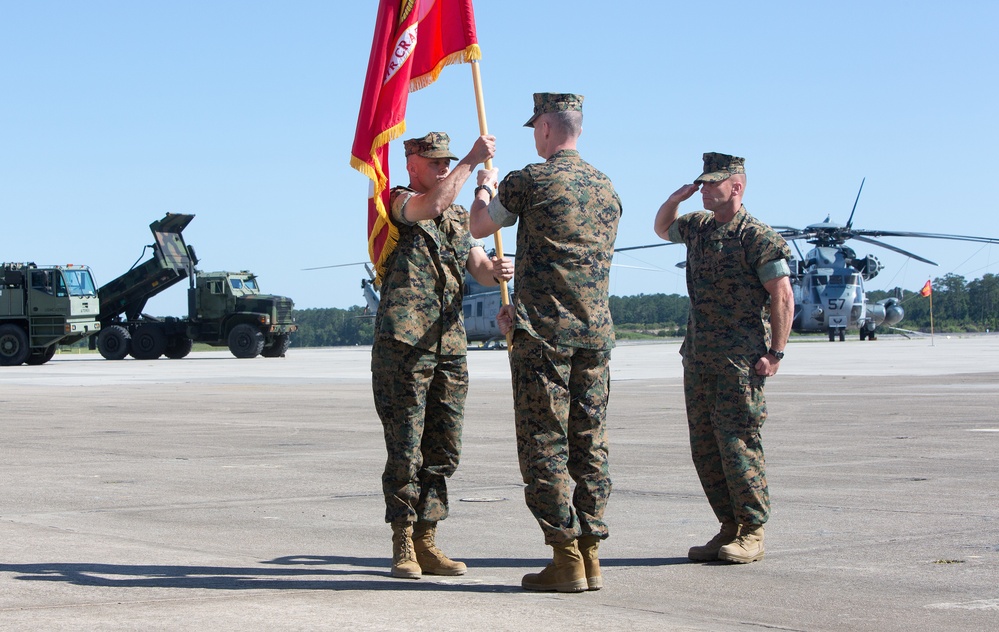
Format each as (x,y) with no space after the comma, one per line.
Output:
(558,388)
(421,291)
(725,414)
(728,327)
(418,371)
(568,214)
(728,330)
(420,398)
(548,102)
(433,145)
(718,167)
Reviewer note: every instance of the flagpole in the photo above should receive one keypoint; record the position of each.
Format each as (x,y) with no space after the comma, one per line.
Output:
(480,107)
(931,318)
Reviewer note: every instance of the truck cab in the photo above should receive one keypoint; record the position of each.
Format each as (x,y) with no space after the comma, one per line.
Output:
(42,307)
(229,308)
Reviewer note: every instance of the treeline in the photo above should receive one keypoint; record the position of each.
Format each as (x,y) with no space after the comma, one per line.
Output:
(332,327)
(958,306)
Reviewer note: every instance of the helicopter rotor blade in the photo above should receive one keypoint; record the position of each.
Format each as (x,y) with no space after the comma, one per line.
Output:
(849,222)
(791,234)
(893,248)
(622,265)
(339,265)
(896,233)
(665,243)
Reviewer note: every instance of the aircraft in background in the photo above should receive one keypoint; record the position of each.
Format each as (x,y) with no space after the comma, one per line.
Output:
(828,280)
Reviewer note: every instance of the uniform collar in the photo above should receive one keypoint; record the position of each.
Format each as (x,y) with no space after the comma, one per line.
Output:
(563,153)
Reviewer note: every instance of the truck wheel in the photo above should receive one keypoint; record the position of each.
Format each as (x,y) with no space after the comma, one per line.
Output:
(246,341)
(178,347)
(148,342)
(40,356)
(113,342)
(14,349)
(278,348)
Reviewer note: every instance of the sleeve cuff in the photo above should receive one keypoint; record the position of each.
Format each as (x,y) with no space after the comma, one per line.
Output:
(773,270)
(499,214)
(673,234)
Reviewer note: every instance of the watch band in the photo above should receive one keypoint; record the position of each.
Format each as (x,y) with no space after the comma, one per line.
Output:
(485,187)
(777,354)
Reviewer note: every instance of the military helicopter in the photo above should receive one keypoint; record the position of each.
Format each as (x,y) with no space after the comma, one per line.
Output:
(828,281)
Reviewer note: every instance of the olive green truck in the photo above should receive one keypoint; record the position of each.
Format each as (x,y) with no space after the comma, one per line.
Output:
(225,309)
(42,307)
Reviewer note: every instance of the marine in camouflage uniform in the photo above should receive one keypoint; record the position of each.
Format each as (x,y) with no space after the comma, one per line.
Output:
(735,264)
(418,365)
(568,215)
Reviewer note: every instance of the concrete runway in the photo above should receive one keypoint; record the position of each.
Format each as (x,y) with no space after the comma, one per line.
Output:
(216,493)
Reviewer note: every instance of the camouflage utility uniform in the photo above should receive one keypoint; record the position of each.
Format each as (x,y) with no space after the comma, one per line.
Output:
(418,365)
(568,214)
(728,330)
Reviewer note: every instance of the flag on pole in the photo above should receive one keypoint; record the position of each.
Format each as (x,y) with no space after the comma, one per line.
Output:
(413,41)
(927,289)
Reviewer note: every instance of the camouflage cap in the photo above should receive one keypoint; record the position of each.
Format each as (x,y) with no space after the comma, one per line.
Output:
(546,102)
(718,167)
(433,145)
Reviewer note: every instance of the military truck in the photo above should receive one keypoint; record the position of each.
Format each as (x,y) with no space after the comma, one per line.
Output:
(42,307)
(225,309)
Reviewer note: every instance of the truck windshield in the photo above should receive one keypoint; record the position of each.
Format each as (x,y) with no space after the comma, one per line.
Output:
(79,283)
(249,285)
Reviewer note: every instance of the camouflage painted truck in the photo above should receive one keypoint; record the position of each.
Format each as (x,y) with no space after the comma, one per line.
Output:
(225,309)
(42,307)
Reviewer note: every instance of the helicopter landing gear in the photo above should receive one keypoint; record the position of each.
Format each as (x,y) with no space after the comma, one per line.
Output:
(868,335)
(835,332)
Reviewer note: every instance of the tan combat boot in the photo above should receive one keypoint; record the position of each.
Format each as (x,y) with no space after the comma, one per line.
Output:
(748,547)
(404,564)
(588,545)
(709,552)
(565,574)
(431,559)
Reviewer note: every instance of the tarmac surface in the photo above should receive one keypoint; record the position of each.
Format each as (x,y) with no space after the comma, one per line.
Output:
(216,493)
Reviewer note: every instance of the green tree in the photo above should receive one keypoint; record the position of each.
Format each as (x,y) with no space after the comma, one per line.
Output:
(333,327)
(983,301)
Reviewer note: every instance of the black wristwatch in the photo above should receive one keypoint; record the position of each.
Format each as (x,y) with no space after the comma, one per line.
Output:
(777,354)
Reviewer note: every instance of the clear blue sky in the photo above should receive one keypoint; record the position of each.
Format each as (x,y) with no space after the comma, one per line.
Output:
(114,112)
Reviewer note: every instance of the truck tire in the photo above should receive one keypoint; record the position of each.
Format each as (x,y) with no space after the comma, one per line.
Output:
(113,342)
(14,349)
(148,342)
(178,347)
(40,356)
(246,341)
(278,348)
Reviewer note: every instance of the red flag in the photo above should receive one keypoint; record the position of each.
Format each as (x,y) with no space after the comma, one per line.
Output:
(414,40)
(927,289)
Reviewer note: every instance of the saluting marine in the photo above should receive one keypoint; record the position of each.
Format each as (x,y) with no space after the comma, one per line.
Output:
(741,307)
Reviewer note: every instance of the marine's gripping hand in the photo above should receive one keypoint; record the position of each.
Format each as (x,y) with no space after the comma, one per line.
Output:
(504,319)
(502,269)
